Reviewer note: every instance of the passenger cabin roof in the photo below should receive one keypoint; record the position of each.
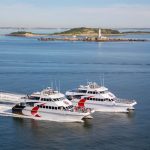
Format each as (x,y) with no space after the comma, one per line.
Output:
(48,93)
(92,86)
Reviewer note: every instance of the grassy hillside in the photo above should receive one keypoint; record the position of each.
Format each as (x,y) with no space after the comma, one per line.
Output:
(20,33)
(88,31)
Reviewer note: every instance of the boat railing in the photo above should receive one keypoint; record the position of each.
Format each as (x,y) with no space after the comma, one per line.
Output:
(125,101)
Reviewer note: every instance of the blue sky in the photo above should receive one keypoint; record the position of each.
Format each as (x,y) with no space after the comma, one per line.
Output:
(75,13)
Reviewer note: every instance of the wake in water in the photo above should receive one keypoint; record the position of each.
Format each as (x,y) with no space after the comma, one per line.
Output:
(7,111)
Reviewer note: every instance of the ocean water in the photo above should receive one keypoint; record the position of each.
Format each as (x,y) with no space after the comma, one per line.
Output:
(28,65)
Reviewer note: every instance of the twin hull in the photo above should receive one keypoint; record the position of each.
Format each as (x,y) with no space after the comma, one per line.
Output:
(106,107)
(52,115)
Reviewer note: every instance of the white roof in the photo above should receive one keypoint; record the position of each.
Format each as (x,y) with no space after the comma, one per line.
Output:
(92,86)
(48,93)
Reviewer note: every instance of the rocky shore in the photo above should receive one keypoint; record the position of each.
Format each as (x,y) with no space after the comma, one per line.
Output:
(92,39)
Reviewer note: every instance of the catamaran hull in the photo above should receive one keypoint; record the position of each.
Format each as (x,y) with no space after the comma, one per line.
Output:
(106,108)
(60,116)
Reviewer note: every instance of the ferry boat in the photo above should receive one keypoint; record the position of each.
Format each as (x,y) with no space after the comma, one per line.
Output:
(99,98)
(51,105)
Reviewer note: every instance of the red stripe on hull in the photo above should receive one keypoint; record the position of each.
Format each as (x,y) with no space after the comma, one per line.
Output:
(35,110)
(82,102)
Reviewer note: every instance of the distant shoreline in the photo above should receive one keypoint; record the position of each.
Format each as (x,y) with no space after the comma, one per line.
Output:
(83,34)
(24,34)
(82,31)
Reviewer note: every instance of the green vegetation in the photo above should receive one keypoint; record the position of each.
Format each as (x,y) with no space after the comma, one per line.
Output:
(88,31)
(20,33)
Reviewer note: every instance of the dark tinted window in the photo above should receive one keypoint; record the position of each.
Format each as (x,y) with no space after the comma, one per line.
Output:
(82,91)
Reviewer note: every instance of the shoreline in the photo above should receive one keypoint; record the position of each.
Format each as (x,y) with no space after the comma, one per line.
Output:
(93,39)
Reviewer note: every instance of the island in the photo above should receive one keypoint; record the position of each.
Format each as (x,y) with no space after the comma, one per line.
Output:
(81,34)
(88,34)
(83,31)
(23,34)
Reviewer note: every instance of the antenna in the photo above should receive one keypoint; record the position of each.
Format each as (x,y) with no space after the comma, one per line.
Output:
(56,86)
(100,78)
(52,85)
(59,85)
(103,79)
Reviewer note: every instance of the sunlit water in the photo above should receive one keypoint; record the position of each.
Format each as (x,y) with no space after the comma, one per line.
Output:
(28,65)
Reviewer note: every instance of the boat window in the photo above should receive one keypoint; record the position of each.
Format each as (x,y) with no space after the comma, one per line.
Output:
(46,107)
(77,96)
(30,103)
(34,98)
(90,92)
(52,107)
(43,106)
(55,108)
(62,98)
(58,107)
(49,107)
(82,91)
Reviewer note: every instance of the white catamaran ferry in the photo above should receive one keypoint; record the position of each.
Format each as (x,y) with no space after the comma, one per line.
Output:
(51,105)
(99,98)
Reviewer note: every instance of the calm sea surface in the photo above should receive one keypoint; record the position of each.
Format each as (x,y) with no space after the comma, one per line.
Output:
(28,65)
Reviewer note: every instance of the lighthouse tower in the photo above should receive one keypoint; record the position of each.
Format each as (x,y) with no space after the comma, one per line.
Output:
(99,33)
